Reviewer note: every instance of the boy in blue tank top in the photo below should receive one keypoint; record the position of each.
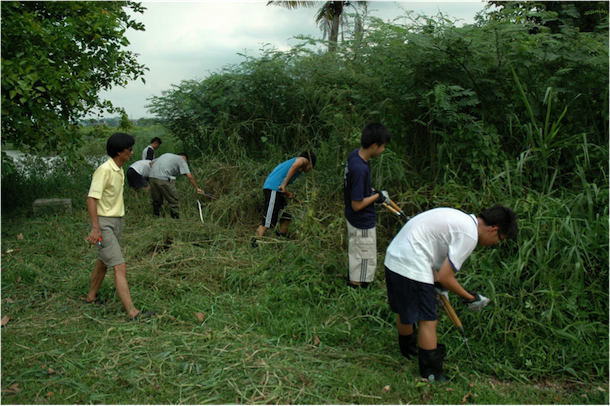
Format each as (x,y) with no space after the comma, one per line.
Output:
(276,193)
(359,198)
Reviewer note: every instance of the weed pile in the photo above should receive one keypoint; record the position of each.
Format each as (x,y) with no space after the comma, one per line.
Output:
(277,324)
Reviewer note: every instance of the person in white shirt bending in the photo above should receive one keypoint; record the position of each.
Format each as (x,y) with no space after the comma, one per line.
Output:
(422,260)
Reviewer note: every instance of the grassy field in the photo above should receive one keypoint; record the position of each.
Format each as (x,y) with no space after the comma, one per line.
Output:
(277,324)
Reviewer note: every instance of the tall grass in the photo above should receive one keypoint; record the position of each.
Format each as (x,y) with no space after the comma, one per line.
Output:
(279,324)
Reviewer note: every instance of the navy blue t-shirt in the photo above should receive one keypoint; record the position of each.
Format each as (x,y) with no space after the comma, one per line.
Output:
(357,186)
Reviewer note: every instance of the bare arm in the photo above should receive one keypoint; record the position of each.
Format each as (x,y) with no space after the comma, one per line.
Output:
(446,277)
(96,231)
(299,163)
(358,205)
(192,180)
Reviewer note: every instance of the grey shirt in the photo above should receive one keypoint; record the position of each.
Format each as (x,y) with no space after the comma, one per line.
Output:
(167,166)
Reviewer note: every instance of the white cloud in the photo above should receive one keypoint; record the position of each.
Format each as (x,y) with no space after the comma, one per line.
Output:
(187,40)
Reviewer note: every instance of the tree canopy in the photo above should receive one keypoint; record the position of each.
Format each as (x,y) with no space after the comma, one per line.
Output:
(585,16)
(329,17)
(458,100)
(56,58)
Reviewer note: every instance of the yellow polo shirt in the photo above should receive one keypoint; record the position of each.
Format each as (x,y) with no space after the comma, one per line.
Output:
(107,189)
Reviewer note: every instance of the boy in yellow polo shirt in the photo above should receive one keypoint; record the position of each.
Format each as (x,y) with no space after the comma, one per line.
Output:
(106,210)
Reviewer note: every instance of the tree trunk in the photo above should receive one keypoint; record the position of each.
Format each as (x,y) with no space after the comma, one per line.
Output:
(333,38)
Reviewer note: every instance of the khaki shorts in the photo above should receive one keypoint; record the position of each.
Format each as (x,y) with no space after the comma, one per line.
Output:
(110,251)
(362,253)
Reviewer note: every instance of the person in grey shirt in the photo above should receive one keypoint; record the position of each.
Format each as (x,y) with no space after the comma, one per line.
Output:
(149,152)
(162,180)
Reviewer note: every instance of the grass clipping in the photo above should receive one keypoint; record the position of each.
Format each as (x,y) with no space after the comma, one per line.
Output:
(236,324)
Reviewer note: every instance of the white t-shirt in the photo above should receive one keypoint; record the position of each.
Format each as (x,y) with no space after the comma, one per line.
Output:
(142,167)
(421,246)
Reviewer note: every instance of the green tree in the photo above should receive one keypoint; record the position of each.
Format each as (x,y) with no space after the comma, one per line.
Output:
(56,58)
(585,16)
(330,17)
(125,124)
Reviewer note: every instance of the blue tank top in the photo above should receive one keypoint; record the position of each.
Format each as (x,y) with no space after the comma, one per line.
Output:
(277,176)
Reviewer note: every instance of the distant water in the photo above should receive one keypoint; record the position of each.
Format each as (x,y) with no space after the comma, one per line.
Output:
(14,154)
(20,158)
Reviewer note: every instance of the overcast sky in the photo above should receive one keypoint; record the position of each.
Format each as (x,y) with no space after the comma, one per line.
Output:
(188,40)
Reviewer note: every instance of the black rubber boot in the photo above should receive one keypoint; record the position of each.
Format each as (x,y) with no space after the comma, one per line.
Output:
(156,210)
(431,364)
(408,345)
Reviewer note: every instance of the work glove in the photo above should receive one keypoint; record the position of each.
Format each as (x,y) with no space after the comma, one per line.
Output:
(441,290)
(383,197)
(386,196)
(477,304)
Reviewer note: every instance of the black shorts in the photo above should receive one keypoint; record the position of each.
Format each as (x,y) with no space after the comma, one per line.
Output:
(412,300)
(135,180)
(275,203)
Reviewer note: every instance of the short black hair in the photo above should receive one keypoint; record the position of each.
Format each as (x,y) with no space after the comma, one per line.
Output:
(156,139)
(184,154)
(502,217)
(310,156)
(118,142)
(374,133)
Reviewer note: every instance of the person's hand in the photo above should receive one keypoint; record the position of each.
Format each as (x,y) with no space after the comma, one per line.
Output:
(477,304)
(379,196)
(386,196)
(200,191)
(94,236)
(286,193)
(383,197)
(441,290)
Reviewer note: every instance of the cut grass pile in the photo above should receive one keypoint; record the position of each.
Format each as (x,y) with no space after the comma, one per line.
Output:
(277,324)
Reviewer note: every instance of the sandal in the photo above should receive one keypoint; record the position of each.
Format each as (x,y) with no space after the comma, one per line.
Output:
(143,316)
(95,301)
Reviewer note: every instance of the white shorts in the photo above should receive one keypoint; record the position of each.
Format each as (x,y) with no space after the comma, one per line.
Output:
(362,252)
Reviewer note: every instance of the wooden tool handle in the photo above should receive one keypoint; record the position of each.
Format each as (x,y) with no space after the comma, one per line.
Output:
(395,206)
(389,208)
(450,312)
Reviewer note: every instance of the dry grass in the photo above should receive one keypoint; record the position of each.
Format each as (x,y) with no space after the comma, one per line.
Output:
(279,325)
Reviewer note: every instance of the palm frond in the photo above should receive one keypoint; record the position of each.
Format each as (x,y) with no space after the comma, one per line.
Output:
(291,5)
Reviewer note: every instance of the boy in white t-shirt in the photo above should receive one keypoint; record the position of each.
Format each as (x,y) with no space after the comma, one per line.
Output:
(427,252)
(138,173)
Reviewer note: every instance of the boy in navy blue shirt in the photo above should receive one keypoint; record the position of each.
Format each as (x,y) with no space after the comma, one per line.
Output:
(276,193)
(359,199)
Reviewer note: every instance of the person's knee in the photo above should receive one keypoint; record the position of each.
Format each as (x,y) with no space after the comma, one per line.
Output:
(101,265)
(120,270)
(427,325)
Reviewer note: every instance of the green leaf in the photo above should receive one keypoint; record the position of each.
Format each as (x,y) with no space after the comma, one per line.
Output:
(39,35)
